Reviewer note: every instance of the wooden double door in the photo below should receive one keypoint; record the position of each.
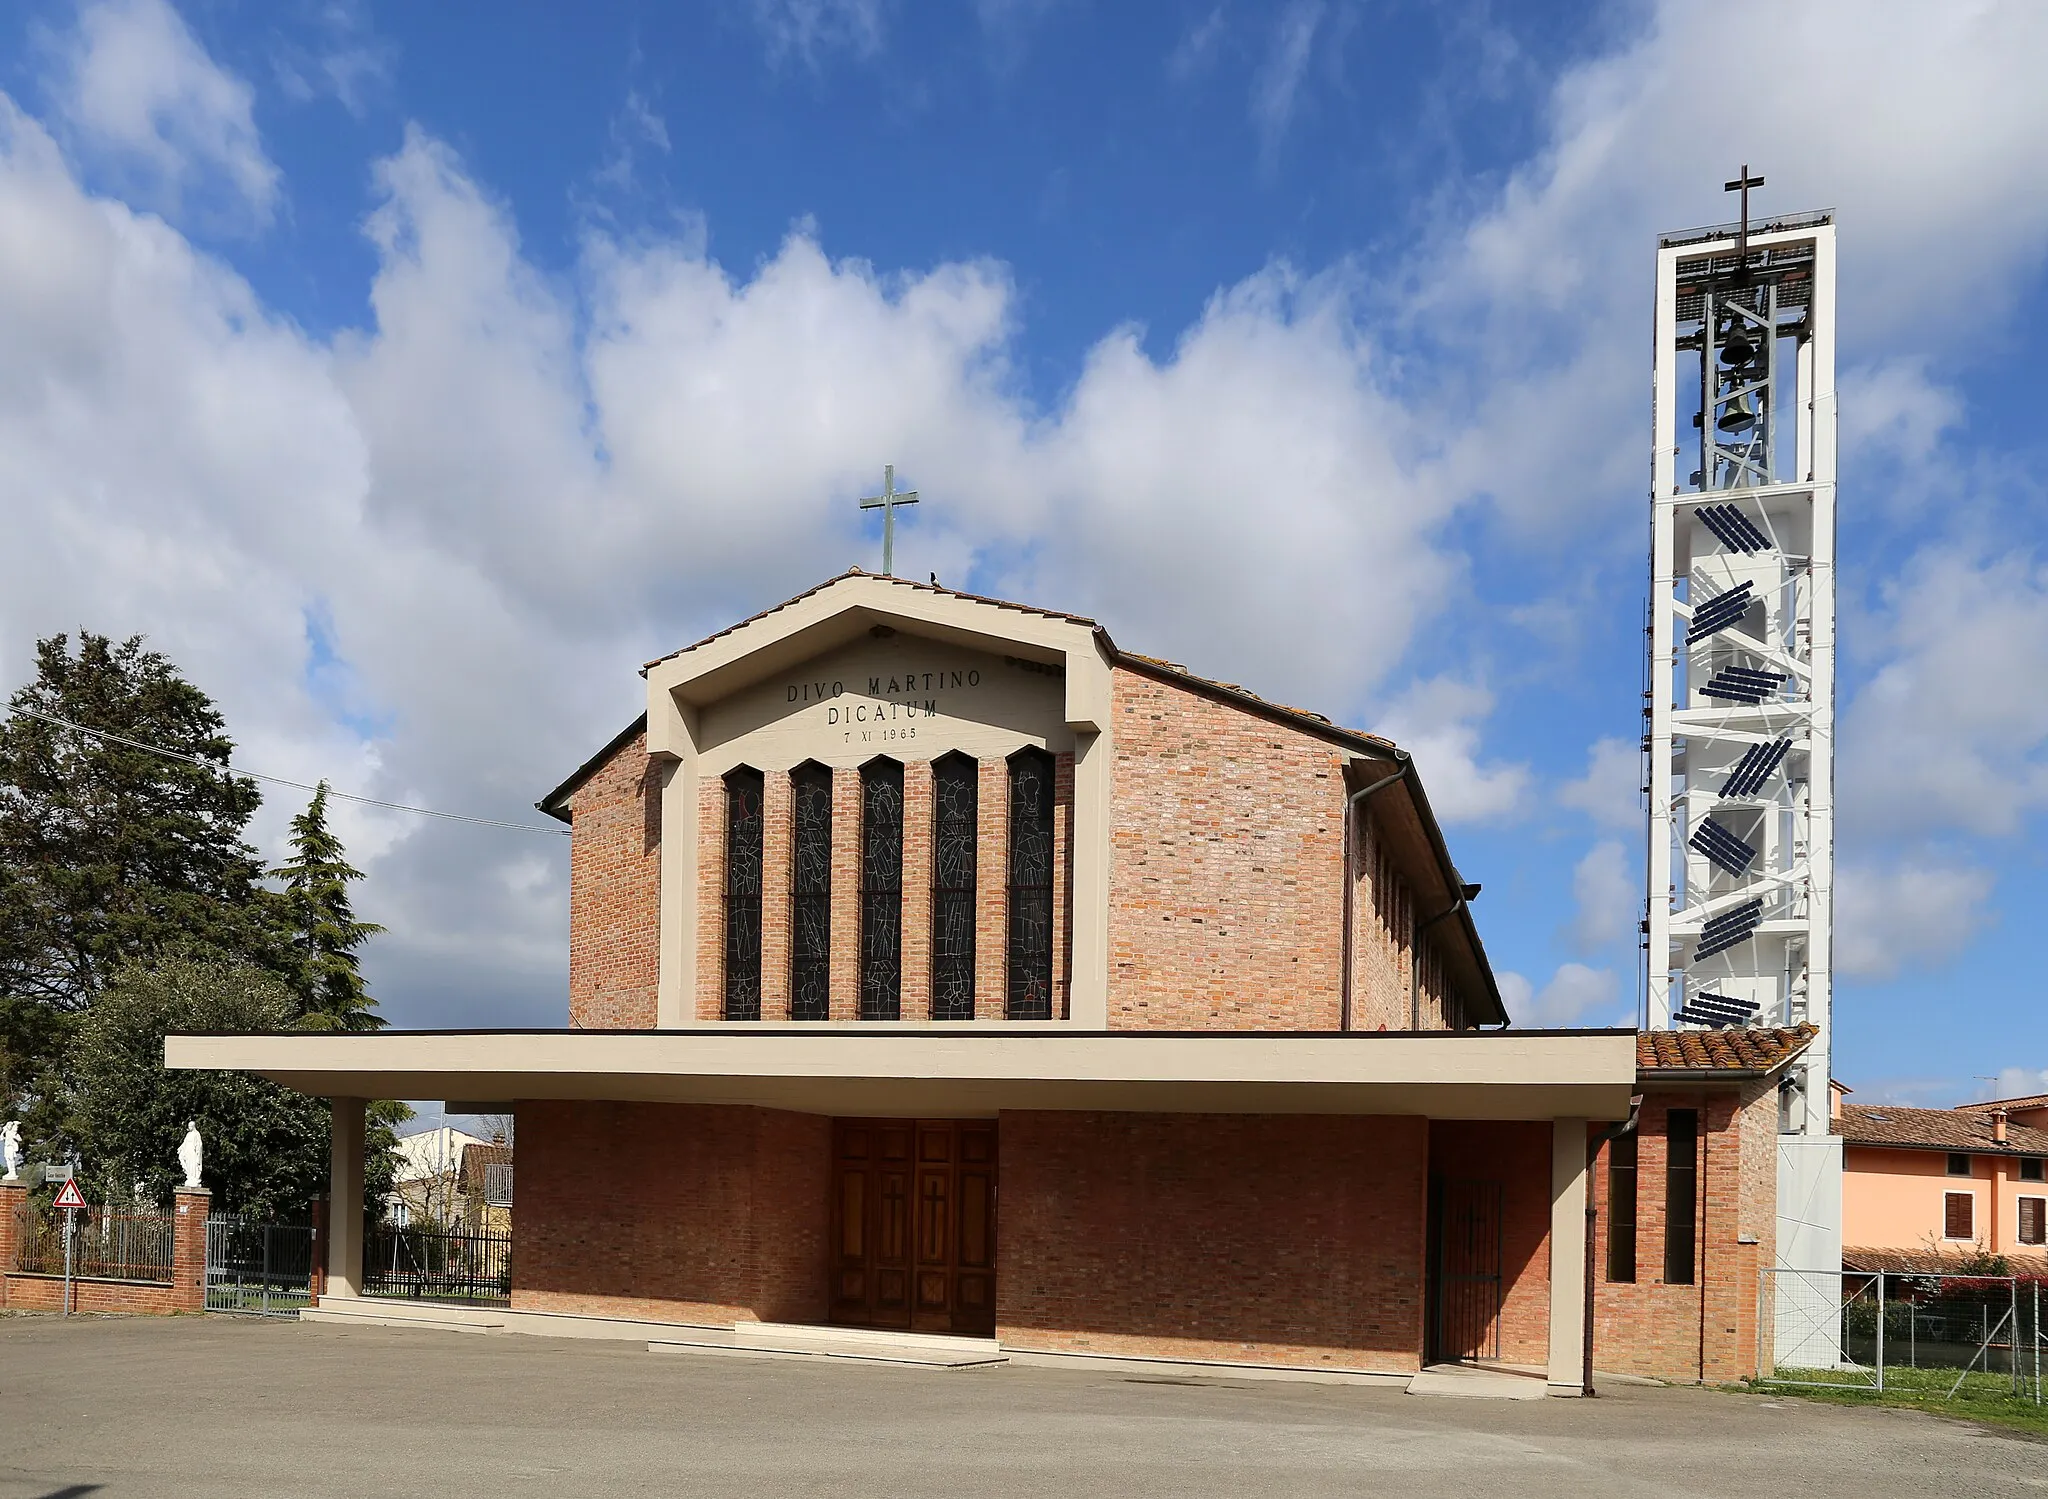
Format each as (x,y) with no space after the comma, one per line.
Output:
(914,1224)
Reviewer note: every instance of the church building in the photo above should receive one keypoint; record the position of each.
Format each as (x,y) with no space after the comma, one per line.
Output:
(941,970)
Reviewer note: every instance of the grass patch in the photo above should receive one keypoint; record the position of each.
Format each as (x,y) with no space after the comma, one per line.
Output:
(1987,1398)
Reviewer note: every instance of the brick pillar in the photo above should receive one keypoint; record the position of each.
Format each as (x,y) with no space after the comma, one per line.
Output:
(12,1196)
(188,1248)
(316,1284)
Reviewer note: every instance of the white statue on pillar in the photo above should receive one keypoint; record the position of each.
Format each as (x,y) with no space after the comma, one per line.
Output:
(10,1149)
(191,1153)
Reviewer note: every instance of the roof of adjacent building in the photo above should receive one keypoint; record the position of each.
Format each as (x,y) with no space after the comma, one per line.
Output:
(1934,1129)
(2031,1101)
(475,1158)
(1729,1053)
(1916,1261)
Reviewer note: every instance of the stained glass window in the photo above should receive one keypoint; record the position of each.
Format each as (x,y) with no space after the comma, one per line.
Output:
(743,826)
(881,890)
(810,923)
(1030,945)
(955,814)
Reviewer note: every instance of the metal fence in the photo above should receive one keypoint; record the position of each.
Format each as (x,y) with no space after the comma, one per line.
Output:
(1978,1335)
(106,1243)
(429,1264)
(265,1269)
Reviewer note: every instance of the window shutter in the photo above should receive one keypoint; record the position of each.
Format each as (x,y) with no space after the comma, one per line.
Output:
(2034,1220)
(1959,1217)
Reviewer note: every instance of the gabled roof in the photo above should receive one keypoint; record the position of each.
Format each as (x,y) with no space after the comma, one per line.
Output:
(475,1158)
(1934,1129)
(1729,1054)
(2031,1101)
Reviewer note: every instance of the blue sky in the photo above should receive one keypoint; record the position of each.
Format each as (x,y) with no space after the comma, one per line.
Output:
(411,373)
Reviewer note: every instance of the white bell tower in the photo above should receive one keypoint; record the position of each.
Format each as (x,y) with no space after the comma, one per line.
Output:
(1741,706)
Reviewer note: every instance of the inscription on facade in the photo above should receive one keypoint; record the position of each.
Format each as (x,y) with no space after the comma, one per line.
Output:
(881,713)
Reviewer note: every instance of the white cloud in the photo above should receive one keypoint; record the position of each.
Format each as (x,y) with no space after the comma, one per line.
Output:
(1196,48)
(1952,732)
(1276,87)
(1575,995)
(141,92)
(1437,722)
(812,30)
(1608,889)
(2014,1082)
(1610,792)
(1901,916)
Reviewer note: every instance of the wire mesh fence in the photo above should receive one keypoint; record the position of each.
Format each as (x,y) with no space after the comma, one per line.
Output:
(430,1264)
(106,1242)
(265,1269)
(1947,1335)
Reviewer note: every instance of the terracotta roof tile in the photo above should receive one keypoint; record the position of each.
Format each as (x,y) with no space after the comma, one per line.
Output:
(1934,1129)
(476,1157)
(2031,1101)
(1731,1051)
(1931,1261)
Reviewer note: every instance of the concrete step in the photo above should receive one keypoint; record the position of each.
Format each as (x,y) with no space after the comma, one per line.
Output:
(1478,1382)
(863,1345)
(437,1319)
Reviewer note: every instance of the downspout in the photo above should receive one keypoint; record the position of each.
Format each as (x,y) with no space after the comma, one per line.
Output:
(1351,805)
(1605,1138)
(1465,894)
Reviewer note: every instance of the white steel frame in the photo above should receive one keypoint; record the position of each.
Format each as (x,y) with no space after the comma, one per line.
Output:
(1784,967)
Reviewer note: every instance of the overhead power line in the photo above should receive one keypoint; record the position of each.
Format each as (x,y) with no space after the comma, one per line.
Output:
(257,775)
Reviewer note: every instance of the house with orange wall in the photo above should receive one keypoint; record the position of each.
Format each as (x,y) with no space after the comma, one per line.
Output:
(1926,1189)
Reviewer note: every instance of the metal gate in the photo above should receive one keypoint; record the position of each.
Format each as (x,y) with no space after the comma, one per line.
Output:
(1465,1270)
(265,1269)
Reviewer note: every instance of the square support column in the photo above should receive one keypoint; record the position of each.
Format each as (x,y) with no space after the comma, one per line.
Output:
(13,1197)
(1567,1256)
(345,1201)
(192,1206)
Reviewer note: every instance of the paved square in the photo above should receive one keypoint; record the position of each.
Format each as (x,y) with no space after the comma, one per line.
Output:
(221,1406)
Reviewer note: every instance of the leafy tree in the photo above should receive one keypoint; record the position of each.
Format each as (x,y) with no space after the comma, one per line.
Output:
(266,1146)
(324,932)
(110,854)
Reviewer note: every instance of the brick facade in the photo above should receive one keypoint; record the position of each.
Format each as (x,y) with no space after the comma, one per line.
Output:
(677,1212)
(615,893)
(1252,1238)
(185,1291)
(1707,1330)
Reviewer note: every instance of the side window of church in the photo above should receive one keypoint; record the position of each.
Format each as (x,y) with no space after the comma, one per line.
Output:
(743,833)
(810,914)
(1030,937)
(1681,1194)
(1621,1209)
(881,890)
(956,808)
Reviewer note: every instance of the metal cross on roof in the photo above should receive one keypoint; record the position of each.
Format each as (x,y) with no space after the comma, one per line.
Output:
(886,502)
(1743,184)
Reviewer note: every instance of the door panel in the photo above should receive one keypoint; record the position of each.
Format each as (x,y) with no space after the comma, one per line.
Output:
(913,1224)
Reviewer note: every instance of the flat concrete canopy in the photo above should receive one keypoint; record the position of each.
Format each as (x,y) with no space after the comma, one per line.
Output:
(934,1072)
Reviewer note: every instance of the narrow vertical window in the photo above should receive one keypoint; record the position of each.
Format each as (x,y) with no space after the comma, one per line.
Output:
(881,890)
(1621,1209)
(1681,1194)
(810,924)
(956,808)
(1030,945)
(743,833)
(2033,1218)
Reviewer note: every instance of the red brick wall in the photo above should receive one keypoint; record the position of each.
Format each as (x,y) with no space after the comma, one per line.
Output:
(676,1212)
(1227,867)
(1707,1330)
(184,1292)
(1516,1154)
(615,893)
(1253,1238)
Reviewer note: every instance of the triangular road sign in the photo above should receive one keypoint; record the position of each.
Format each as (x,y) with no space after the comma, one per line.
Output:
(71,1197)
